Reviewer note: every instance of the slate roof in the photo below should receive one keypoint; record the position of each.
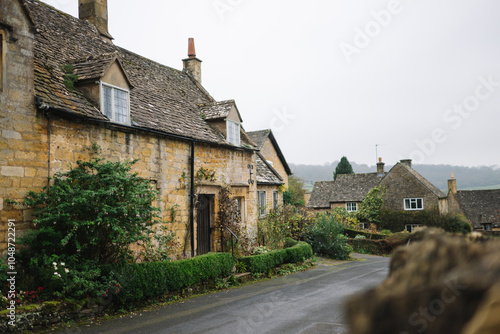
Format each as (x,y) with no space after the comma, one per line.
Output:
(435,190)
(95,67)
(266,174)
(346,188)
(320,195)
(480,206)
(162,99)
(218,110)
(260,137)
(353,187)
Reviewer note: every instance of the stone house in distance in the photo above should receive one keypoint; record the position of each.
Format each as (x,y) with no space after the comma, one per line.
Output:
(481,208)
(64,85)
(272,171)
(405,189)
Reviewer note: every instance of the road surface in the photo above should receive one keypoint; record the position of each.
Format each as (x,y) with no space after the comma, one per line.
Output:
(306,303)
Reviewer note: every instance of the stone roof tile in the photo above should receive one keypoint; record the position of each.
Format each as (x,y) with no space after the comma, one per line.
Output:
(266,174)
(480,206)
(163,99)
(435,190)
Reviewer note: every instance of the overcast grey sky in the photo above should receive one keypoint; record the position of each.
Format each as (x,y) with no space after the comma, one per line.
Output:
(336,77)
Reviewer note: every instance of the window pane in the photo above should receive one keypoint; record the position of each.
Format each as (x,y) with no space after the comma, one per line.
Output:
(106,95)
(233,132)
(121,106)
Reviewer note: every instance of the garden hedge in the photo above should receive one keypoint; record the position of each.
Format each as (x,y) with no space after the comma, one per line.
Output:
(380,246)
(374,236)
(395,221)
(140,281)
(263,262)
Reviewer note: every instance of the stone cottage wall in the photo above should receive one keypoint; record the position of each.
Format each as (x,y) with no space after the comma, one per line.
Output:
(21,131)
(399,184)
(162,160)
(270,154)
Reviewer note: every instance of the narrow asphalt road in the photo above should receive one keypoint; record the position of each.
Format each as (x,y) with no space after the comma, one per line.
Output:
(305,302)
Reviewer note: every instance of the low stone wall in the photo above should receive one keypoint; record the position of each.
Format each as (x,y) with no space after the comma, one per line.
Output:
(439,283)
(37,317)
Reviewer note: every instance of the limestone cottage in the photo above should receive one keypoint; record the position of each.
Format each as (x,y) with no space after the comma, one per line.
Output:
(65,85)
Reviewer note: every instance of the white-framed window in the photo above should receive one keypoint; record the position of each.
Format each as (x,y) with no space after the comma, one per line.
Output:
(233,132)
(411,227)
(363,226)
(115,103)
(414,203)
(275,200)
(261,203)
(351,206)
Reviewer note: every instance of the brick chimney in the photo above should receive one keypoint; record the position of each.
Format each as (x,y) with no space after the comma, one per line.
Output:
(380,167)
(95,11)
(192,65)
(406,162)
(452,185)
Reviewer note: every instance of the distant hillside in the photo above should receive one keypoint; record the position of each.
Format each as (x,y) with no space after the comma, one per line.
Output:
(467,177)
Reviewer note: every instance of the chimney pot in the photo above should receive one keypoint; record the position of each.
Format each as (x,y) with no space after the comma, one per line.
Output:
(191,50)
(192,65)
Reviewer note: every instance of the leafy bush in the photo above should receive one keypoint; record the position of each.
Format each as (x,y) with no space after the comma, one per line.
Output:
(92,212)
(263,262)
(140,281)
(87,217)
(326,236)
(371,206)
(344,217)
(284,222)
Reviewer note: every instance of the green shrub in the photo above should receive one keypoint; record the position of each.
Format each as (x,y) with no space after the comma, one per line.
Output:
(261,263)
(140,281)
(281,223)
(91,213)
(326,236)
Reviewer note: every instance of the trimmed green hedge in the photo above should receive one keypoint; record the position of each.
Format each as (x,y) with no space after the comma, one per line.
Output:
(395,221)
(353,233)
(380,246)
(263,262)
(151,279)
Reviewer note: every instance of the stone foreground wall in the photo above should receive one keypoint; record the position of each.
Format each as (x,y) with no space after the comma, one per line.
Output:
(440,283)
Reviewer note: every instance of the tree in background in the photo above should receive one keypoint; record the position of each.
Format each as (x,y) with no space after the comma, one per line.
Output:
(343,167)
(294,195)
(370,208)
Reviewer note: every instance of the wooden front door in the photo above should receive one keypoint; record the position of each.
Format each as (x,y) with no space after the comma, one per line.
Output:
(204,215)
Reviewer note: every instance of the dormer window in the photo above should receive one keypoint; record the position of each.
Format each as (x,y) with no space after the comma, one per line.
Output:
(115,103)
(233,132)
